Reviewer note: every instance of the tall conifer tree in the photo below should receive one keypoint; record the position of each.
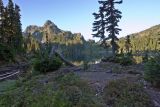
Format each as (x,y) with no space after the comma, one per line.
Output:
(112,17)
(10,17)
(128,44)
(17,28)
(99,24)
(1,21)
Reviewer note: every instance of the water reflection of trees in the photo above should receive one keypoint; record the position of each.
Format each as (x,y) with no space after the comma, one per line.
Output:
(79,53)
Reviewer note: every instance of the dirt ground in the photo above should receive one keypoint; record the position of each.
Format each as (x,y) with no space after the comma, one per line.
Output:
(98,75)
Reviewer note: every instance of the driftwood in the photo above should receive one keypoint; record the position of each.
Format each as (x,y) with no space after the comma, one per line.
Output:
(54,52)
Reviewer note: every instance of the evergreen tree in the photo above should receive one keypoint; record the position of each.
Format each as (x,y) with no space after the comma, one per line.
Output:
(10,19)
(99,25)
(17,28)
(111,17)
(1,21)
(5,27)
(128,44)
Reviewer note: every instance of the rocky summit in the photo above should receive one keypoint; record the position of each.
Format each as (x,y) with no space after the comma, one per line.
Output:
(50,31)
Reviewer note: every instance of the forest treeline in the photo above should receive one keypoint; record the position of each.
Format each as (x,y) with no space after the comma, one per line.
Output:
(147,40)
(11,38)
(10,25)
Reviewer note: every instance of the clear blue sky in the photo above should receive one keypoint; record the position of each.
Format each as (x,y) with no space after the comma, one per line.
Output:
(76,15)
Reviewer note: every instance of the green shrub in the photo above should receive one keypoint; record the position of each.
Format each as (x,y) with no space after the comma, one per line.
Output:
(126,60)
(123,59)
(152,71)
(46,64)
(31,94)
(78,93)
(68,79)
(42,61)
(7,54)
(122,93)
(74,94)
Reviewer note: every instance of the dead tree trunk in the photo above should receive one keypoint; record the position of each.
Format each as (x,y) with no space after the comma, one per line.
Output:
(54,52)
(64,60)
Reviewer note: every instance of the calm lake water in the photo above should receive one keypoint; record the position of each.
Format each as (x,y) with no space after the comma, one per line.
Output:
(93,58)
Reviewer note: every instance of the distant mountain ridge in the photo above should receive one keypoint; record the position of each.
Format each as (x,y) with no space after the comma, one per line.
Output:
(148,39)
(154,31)
(52,32)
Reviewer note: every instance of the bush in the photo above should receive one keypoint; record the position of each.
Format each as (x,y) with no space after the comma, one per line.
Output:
(7,54)
(30,94)
(77,92)
(73,94)
(126,60)
(68,79)
(46,64)
(122,93)
(152,71)
(123,59)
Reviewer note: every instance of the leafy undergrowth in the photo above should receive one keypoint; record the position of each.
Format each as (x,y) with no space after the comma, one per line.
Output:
(122,59)
(7,53)
(44,65)
(124,93)
(7,85)
(152,71)
(62,91)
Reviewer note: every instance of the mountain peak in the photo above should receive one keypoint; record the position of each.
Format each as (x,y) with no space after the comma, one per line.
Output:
(51,28)
(49,22)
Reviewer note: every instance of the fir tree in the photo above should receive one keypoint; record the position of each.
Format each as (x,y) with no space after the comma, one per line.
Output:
(99,25)
(111,17)
(6,27)
(10,15)
(128,44)
(1,21)
(17,28)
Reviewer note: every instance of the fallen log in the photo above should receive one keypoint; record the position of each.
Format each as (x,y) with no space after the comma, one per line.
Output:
(64,60)
(54,52)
